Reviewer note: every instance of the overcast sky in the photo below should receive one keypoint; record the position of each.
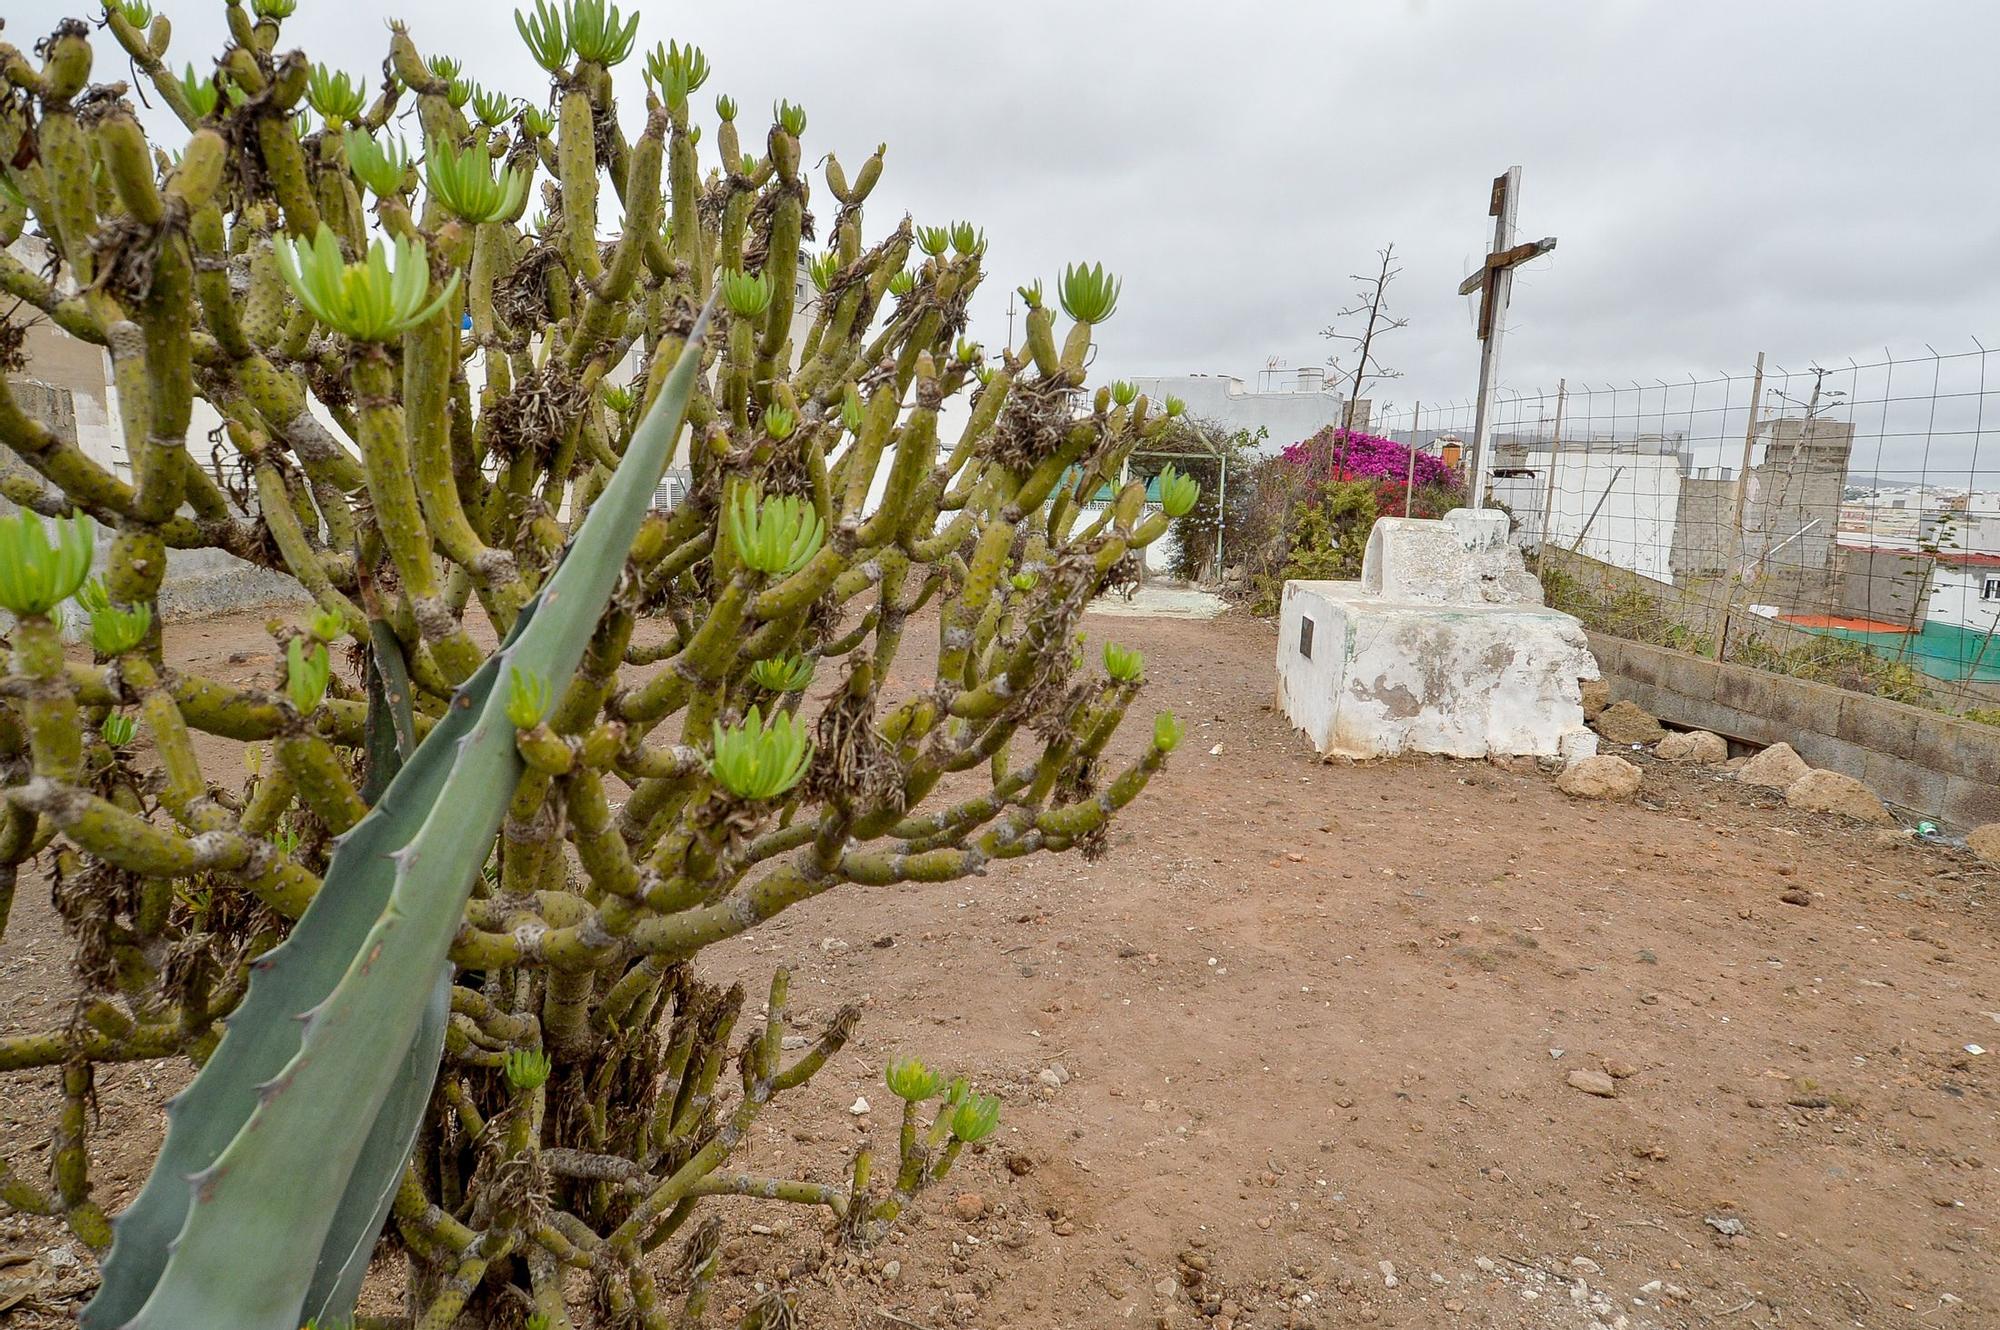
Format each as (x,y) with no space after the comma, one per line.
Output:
(1814,180)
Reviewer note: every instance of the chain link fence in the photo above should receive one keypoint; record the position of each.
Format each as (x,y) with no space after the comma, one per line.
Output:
(1836,521)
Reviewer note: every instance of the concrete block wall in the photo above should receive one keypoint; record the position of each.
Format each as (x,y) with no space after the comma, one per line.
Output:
(1924,762)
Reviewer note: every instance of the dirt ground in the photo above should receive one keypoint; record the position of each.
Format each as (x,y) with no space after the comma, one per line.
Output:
(1297,1053)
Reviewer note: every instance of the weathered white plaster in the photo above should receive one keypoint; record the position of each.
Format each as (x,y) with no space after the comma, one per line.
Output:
(1443,646)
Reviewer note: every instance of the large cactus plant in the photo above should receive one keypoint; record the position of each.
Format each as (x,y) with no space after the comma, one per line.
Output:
(435,960)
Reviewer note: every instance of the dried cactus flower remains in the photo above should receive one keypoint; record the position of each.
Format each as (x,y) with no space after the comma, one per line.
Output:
(443,419)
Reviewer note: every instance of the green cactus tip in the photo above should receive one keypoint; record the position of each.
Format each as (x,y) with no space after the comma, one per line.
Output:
(493,108)
(365,301)
(747,295)
(1024,581)
(909,1079)
(823,269)
(850,410)
(725,108)
(335,95)
(975,1118)
(1123,664)
(774,536)
(677,71)
(526,1069)
(1167,732)
(599,34)
(114,629)
(381,166)
(902,283)
(782,674)
(545,35)
(619,397)
(1031,294)
(1124,392)
(328,625)
(1178,492)
(527,699)
(464,183)
(138,13)
(37,575)
(1089,294)
(274,10)
(934,240)
(307,671)
(537,124)
(118,729)
(790,118)
(779,422)
(444,67)
(760,759)
(1175,407)
(200,93)
(967,238)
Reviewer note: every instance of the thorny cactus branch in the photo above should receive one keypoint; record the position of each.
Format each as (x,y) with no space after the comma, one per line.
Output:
(429,371)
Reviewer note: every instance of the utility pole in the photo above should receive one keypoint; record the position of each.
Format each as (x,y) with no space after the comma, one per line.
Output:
(1495,283)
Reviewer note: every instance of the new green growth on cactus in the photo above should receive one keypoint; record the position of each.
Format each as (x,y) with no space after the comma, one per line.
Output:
(37,573)
(477,881)
(760,759)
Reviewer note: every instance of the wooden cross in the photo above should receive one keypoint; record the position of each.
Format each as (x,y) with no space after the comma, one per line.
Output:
(1495,283)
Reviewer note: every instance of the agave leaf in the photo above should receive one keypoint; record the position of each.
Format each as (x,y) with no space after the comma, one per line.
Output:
(261,1211)
(263,1033)
(371,1189)
(391,731)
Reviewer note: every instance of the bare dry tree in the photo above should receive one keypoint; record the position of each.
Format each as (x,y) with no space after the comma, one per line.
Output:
(1371,306)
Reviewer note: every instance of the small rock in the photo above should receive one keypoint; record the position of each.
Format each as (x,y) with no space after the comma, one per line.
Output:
(1619,1069)
(1061,1072)
(1454,1305)
(1775,768)
(1896,837)
(1727,1226)
(892,1270)
(1020,1165)
(1629,723)
(831,945)
(792,1042)
(1795,897)
(1593,1082)
(1388,1269)
(1047,1076)
(1832,792)
(969,1206)
(1698,746)
(1215,751)
(859,1106)
(1596,697)
(1601,777)
(1166,1288)
(1984,841)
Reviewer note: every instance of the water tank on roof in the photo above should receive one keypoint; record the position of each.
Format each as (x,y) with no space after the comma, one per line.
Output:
(1311,380)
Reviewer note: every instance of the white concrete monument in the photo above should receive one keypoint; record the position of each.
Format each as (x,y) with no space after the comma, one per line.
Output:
(1443,646)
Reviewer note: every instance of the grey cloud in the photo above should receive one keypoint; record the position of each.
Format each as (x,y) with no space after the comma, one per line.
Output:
(1809,179)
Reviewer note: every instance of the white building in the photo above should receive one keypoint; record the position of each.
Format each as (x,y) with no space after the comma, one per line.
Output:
(1619,508)
(1965,591)
(1287,408)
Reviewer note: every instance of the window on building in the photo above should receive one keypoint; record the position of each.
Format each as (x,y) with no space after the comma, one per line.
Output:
(1990,589)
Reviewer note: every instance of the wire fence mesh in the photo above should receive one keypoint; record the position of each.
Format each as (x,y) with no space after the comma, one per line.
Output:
(1836,521)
